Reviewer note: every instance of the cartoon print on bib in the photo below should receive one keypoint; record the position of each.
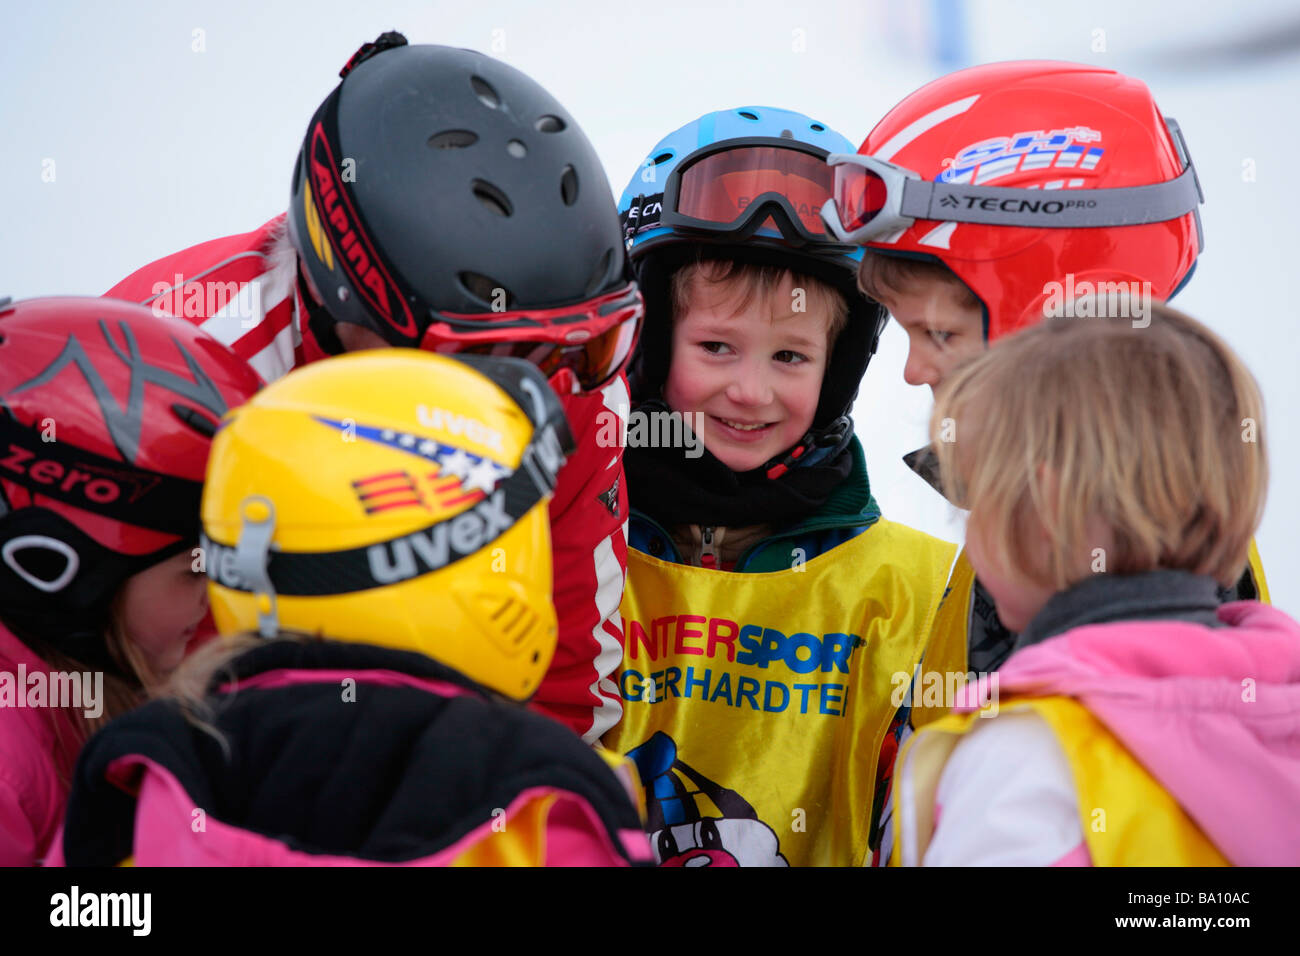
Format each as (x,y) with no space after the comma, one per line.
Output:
(677,798)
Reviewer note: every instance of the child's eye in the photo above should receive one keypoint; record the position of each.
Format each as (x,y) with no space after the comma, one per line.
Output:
(790,357)
(939,337)
(714,348)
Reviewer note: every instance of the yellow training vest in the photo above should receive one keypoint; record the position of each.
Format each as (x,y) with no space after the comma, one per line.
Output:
(755,705)
(1128,819)
(947,646)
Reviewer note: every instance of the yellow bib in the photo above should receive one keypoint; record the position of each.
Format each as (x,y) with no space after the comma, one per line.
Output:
(755,705)
(1128,819)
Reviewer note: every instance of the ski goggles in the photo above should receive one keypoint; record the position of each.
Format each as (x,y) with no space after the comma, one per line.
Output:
(873,199)
(592,340)
(731,189)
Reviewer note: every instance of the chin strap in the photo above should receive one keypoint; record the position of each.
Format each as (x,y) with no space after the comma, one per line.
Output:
(833,436)
(319,322)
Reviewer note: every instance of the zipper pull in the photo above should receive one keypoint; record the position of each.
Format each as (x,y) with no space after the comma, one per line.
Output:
(708,559)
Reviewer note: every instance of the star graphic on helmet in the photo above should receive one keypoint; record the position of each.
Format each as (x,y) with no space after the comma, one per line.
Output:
(484,476)
(455,465)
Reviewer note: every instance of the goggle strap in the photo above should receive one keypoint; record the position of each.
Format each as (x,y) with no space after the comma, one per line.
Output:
(638,219)
(1185,157)
(1052,208)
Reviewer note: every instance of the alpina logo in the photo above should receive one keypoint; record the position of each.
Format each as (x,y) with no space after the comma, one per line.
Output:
(356,254)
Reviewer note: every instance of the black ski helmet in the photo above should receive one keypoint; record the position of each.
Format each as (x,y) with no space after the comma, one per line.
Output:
(436,179)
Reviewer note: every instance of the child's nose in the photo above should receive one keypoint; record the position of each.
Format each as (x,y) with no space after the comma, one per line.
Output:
(750,386)
(920,369)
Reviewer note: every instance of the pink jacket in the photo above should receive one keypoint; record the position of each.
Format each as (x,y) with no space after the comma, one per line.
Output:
(417,766)
(35,771)
(1212,713)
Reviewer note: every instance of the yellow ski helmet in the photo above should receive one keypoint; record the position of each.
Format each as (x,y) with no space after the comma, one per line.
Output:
(396,498)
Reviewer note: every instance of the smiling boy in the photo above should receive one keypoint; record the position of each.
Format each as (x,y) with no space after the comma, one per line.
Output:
(745,360)
(768,603)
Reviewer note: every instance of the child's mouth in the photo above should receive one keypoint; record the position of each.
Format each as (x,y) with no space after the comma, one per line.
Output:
(742,431)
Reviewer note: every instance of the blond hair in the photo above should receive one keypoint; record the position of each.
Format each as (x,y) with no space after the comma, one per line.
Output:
(121,692)
(1152,434)
(758,282)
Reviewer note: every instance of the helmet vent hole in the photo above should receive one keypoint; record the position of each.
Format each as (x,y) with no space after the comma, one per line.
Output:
(662,158)
(485,93)
(747,114)
(569,185)
(517,149)
(486,290)
(817,128)
(453,139)
(549,124)
(597,280)
(492,198)
(201,424)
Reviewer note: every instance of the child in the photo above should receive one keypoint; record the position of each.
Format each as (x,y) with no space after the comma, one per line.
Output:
(1024,162)
(1114,475)
(395,563)
(106,413)
(768,603)
(443,200)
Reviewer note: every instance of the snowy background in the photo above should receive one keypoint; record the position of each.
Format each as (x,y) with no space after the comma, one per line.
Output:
(171,123)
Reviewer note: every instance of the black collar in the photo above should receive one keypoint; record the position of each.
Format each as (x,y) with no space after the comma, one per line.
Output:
(1102,598)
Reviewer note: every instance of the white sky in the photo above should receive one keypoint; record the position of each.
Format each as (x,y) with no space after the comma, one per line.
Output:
(156,146)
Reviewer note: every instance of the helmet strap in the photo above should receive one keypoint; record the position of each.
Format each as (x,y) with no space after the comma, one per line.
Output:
(319,322)
(251,553)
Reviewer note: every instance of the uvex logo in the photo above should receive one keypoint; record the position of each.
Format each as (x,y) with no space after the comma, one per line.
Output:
(70,480)
(356,254)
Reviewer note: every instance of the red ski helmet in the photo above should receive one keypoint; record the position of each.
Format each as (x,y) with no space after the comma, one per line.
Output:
(1049,126)
(106,414)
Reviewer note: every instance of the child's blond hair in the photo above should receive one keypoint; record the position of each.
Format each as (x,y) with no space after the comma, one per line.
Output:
(758,282)
(1153,434)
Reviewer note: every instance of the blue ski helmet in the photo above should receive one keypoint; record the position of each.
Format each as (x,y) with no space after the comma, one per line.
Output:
(667,226)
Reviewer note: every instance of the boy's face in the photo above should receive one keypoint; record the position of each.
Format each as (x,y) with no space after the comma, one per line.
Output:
(755,374)
(941,330)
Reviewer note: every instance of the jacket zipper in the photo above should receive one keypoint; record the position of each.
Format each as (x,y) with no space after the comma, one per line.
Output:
(708,559)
